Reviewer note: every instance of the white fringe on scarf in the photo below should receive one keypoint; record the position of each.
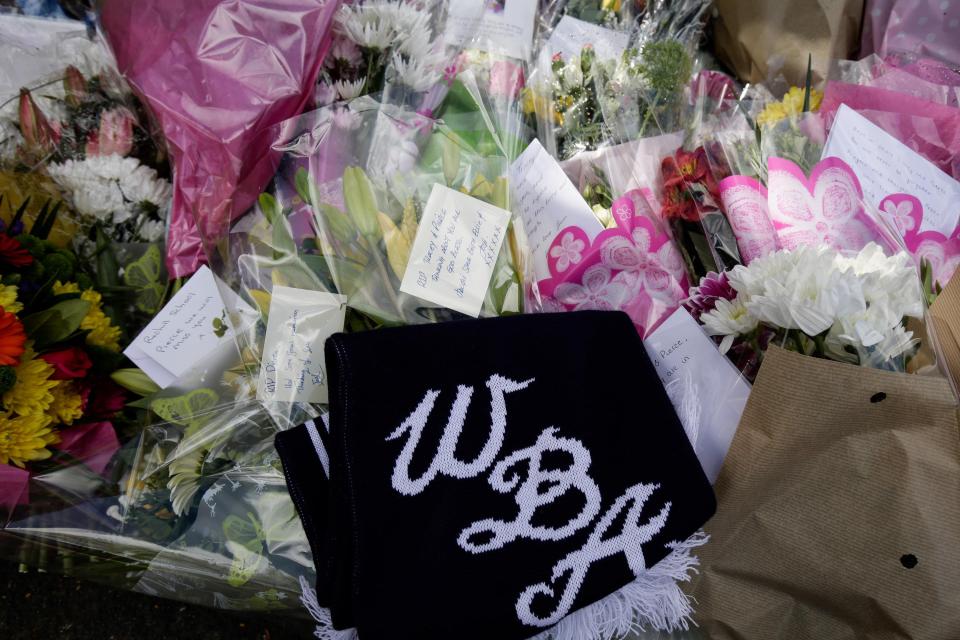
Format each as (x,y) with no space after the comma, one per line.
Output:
(324,629)
(654,599)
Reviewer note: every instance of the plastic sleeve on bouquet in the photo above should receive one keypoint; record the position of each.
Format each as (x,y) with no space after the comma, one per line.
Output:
(193,62)
(378,216)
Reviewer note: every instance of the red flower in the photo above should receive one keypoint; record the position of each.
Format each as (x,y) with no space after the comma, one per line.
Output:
(13,254)
(69,363)
(688,184)
(103,399)
(12,338)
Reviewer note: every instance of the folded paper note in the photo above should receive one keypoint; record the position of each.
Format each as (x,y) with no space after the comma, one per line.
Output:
(299,324)
(455,250)
(188,329)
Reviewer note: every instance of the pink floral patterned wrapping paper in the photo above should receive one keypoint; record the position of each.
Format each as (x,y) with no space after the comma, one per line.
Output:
(633,267)
(794,210)
(921,27)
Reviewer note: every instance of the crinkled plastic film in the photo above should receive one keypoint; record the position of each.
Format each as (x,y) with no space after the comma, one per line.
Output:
(313,231)
(193,63)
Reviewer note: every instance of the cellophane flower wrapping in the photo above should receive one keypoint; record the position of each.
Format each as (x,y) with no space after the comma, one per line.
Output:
(217,77)
(344,210)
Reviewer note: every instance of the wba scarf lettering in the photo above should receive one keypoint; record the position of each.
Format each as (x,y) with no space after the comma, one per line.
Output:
(539,489)
(560,501)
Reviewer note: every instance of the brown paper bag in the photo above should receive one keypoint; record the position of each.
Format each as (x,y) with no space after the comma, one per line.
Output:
(754,37)
(945,312)
(839,509)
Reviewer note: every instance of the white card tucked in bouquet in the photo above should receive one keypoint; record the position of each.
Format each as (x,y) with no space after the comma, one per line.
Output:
(707,391)
(299,324)
(455,250)
(505,27)
(190,327)
(886,166)
(547,203)
(571,35)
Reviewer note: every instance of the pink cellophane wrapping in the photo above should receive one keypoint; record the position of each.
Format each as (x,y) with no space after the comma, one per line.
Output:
(218,75)
(927,28)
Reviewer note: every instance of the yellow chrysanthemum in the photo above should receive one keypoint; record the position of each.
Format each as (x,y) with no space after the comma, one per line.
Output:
(67,404)
(102,332)
(791,105)
(25,438)
(8,298)
(60,288)
(31,394)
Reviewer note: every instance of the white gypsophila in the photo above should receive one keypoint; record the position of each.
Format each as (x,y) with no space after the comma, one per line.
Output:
(348,90)
(729,318)
(415,73)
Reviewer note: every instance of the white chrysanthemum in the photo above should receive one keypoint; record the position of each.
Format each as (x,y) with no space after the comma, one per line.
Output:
(107,187)
(415,73)
(728,319)
(348,90)
(152,230)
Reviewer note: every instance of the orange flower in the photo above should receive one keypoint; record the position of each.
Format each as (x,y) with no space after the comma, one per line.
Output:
(12,338)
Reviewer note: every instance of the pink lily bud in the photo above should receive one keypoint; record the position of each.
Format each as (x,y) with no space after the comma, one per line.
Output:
(75,86)
(34,126)
(115,135)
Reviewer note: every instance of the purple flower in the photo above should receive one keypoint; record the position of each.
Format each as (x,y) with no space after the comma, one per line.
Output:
(713,287)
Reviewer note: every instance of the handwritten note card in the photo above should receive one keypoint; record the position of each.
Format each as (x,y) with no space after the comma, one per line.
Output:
(547,202)
(705,388)
(299,324)
(503,27)
(455,250)
(885,166)
(571,35)
(191,326)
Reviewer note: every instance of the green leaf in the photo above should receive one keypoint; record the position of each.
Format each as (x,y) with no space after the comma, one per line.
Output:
(329,219)
(108,269)
(135,380)
(451,161)
(302,183)
(361,205)
(269,206)
(185,410)
(143,274)
(809,83)
(56,323)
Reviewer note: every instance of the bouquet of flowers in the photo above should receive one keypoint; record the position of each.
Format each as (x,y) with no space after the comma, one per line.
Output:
(390,46)
(61,410)
(817,301)
(87,139)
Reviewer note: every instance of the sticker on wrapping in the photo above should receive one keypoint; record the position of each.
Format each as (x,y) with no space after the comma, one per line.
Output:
(547,202)
(707,391)
(885,165)
(455,251)
(506,26)
(299,324)
(186,331)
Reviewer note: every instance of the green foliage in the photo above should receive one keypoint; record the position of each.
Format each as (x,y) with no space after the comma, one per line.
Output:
(57,323)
